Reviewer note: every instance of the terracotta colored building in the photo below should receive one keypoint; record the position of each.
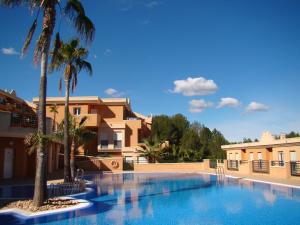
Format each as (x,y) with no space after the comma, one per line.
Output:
(119,129)
(277,157)
(18,119)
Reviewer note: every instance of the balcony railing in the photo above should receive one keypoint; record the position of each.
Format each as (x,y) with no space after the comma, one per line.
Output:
(295,168)
(277,163)
(19,120)
(232,164)
(260,166)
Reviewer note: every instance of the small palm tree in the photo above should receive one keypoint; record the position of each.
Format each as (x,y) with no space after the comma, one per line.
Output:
(54,110)
(72,57)
(83,25)
(151,150)
(78,136)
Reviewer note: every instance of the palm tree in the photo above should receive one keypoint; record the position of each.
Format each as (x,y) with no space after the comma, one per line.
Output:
(72,57)
(78,136)
(83,25)
(54,110)
(151,150)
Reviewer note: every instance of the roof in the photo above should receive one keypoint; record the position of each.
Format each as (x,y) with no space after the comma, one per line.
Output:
(265,143)
(87,100)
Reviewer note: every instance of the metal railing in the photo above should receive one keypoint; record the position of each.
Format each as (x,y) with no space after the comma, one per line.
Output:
(260,166)
(295,168)
(277,163)
(232,164)
(19,120)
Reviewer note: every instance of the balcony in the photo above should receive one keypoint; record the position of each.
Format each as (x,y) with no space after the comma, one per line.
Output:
(93,120)
(295,168)
(260,166)
(232,164)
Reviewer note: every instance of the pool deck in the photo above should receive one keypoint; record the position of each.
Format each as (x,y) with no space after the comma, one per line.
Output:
(262,178)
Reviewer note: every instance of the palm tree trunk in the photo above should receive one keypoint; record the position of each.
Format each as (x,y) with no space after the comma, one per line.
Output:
(67,174)
(72,159)
(40,187)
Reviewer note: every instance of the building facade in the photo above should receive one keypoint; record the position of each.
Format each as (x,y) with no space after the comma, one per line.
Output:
(278,157)
(119,130)
(18,119)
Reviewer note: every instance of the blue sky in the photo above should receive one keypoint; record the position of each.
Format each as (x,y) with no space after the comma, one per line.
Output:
(246,52)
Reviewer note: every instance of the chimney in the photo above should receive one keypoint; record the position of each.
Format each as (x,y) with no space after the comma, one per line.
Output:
(282,136)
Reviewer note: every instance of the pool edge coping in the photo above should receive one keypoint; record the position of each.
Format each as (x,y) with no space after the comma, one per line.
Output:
(83,203)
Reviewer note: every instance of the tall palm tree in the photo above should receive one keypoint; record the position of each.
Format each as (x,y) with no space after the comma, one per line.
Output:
(72,57)
(78,135)
(54,110)
(84,26)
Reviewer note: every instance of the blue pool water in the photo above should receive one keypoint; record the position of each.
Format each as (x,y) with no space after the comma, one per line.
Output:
(175,199)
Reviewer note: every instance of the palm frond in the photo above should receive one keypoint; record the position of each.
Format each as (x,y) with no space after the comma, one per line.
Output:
(29,38)
(85,27)
(54,64)
(82,121)
(82,23)
(85,65)
(60,85)
(39,48)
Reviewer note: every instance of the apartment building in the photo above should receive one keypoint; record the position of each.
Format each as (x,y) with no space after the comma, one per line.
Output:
(18,119)
(278,157)
(119,129)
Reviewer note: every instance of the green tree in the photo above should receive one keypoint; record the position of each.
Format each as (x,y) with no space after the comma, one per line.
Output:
(205,139)
(71,57)
(151,150)
(83,25)
(190,148)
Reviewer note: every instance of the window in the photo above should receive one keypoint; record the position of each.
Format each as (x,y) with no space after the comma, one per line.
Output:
(237,157)
(118,140)
(293,156)
(259,156)
(251,156)
(76,111)
(104,140)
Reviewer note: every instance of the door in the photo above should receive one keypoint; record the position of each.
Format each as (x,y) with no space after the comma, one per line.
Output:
(8,163)
(293,156)
(259,156)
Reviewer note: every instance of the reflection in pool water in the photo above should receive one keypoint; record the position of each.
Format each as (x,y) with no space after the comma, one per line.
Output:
(176,199)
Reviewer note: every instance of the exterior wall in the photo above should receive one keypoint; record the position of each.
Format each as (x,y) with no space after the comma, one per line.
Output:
(245,154)
(111,113)
(286,150)
(24,163)
(169,167)
(101,164)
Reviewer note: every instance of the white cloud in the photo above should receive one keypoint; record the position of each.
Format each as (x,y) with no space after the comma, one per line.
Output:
(107,52)
(113,92)
(195,86)
(257,107)
(153,4)
(197,106)
(9,51)
(229,102)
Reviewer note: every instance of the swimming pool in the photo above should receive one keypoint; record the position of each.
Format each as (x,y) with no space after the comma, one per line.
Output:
(134,198)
